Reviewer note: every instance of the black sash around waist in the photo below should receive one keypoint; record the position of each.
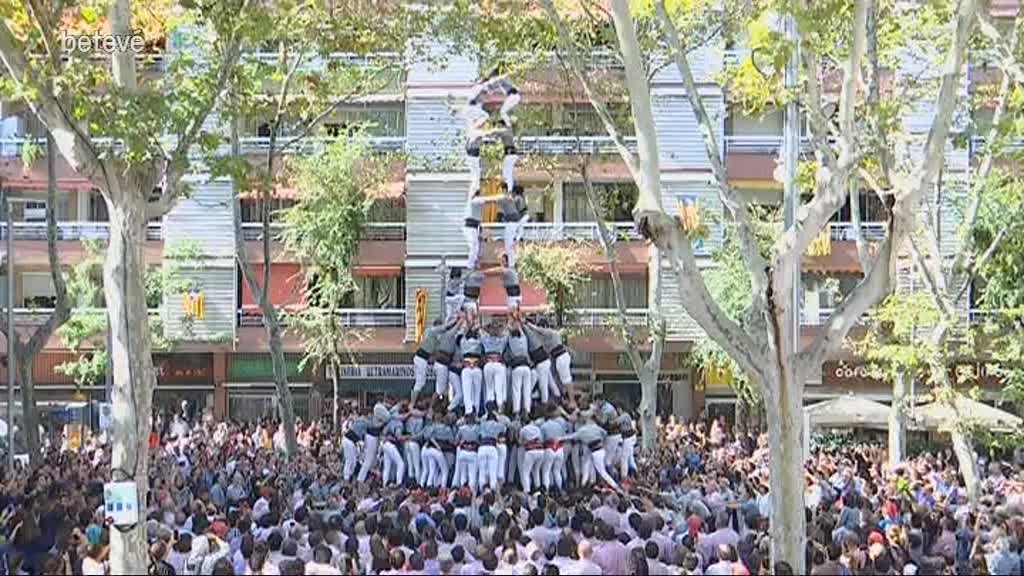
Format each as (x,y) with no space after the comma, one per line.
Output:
(538,355)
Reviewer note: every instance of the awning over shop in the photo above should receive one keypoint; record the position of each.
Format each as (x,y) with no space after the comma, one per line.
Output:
(945,415)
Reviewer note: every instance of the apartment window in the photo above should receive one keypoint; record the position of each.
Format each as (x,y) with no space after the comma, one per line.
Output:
(539,120)
(871,209)
(599,292)
(377,293)
(617,201)
(377,120)
(252,209)
(37,290)
(583,120)
(831,290)
(767,124)
(386,210)
(98,208)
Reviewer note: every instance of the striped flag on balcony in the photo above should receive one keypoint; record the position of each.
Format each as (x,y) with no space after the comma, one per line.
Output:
(421,314)
(688,211)
(822,245)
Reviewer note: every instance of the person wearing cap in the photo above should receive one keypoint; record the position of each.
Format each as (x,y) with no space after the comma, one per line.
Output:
(495,342)
(472,376)
(467,441)
(519,363)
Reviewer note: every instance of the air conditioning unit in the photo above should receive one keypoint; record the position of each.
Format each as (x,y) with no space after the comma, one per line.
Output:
(35,211)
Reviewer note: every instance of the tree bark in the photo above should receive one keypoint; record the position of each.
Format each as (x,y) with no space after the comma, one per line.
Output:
(131,356)
(30,416)
(335,409)
(784,410)
(649,408)
(897,421)
(286,404)
(271,322)
(965,457)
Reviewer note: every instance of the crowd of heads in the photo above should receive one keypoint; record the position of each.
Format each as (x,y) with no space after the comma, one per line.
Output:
(223,499)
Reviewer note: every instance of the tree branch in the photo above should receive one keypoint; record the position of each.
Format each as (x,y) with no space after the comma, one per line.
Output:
(606,237)
(985,166)
(577,68)
(73,143)
(876,284)
(813,216)
(736,206)
(1008,50)
(122,62)
(62,307)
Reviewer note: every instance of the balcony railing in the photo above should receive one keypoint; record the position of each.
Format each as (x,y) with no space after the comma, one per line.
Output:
(73,231)
(973,316)
(253,231)
(12,147)
(311,144)
(551,231)
(558,145)
(598,317)
(759,143)
(37,316)
(350,318)
(845,232)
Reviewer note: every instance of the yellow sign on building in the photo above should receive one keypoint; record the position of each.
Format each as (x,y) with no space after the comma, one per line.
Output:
(194,304)
(822,245)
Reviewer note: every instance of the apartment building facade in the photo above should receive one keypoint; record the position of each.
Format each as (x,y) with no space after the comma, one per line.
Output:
(220,358)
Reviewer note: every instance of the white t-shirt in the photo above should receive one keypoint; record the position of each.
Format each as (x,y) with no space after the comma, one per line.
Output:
(91,567)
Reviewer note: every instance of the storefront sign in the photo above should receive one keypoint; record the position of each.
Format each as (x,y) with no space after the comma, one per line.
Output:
(851,375)
(380,372)
(847,375)
(183,369)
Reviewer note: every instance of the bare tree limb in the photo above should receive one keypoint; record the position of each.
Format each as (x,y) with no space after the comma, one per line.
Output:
(985,166)
(122,62)
(1007,50)
(62,308)
(736,206)
(72,141)
(876,284)
(813,216)
(577,68)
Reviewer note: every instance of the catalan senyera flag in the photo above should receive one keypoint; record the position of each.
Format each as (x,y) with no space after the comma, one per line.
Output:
(822,244)
(688,210)
(421,314)
(194,304)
